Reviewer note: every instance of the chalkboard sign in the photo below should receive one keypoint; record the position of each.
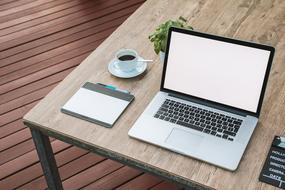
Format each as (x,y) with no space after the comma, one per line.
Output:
(273,171)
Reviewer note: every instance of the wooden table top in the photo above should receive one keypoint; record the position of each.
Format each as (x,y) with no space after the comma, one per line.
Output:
(261,21)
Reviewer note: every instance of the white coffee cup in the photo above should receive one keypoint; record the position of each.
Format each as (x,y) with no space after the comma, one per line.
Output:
(126,60)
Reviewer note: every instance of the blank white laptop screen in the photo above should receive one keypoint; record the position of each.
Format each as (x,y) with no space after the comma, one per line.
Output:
(222,72)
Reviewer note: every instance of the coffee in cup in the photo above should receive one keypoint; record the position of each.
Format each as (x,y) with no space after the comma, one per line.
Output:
(126,60)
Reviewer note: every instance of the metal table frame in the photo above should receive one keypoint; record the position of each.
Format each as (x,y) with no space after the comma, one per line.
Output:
(48,163)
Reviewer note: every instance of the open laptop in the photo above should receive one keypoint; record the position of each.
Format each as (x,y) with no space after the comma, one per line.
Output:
(210,97)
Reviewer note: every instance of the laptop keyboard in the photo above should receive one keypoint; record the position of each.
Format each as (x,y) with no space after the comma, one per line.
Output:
(206,121)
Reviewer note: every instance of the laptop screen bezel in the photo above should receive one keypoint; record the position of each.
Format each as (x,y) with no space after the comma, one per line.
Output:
(223,39)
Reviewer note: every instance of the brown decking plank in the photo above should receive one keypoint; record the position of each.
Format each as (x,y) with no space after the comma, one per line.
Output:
(64,33)
(145,181)
(165,185)
(35,171)
(96,30)
(114,179)
(34,86)
(15,114)
(26,12)
(56,52)
(61,26)
(3,2)
(39,23)
(17,150)
(14,139)
(23,7)
(26,160)
(42,74)
(26,99)
(27,19)
(66,171)
(98,171)
(13,4)
(11,128)
(55,25)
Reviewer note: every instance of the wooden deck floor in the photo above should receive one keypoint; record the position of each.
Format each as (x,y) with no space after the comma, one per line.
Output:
(41,41)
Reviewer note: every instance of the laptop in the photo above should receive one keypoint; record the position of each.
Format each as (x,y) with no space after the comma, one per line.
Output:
(210,97)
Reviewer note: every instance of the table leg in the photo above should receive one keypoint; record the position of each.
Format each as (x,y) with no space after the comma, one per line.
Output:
(47,160)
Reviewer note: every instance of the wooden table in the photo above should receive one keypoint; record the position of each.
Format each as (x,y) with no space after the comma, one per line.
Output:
(261,21)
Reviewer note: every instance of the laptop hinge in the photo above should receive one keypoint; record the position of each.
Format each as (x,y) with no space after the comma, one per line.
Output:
(207,103)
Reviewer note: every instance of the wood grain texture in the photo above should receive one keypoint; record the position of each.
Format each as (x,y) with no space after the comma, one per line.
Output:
(43,41)
(259,21)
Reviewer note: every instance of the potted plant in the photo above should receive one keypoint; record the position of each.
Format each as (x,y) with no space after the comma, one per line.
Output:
(159,37)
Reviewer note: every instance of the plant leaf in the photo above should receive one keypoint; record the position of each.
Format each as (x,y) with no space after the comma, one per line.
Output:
(159,36)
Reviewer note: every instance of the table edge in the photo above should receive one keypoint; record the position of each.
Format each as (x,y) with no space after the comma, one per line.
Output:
(117,157)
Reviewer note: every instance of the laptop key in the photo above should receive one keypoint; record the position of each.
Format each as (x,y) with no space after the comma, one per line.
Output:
(220,130)
(231,139)
(172,120)
(207,131)
(236,126)
(167,119)
(229,133)
(225,136)
(213,133)
(237,122)
(163,109)
(189,125)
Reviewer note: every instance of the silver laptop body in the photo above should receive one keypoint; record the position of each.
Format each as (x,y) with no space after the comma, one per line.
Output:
(210,97)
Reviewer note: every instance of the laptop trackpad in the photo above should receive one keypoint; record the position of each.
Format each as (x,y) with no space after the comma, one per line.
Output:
(184,140)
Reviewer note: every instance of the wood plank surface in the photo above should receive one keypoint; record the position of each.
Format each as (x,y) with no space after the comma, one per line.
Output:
(258,21)
(41,42)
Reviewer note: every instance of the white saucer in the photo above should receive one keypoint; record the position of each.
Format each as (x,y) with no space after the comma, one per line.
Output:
(122,74)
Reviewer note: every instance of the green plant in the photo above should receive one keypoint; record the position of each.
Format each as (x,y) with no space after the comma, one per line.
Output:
(159,37)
